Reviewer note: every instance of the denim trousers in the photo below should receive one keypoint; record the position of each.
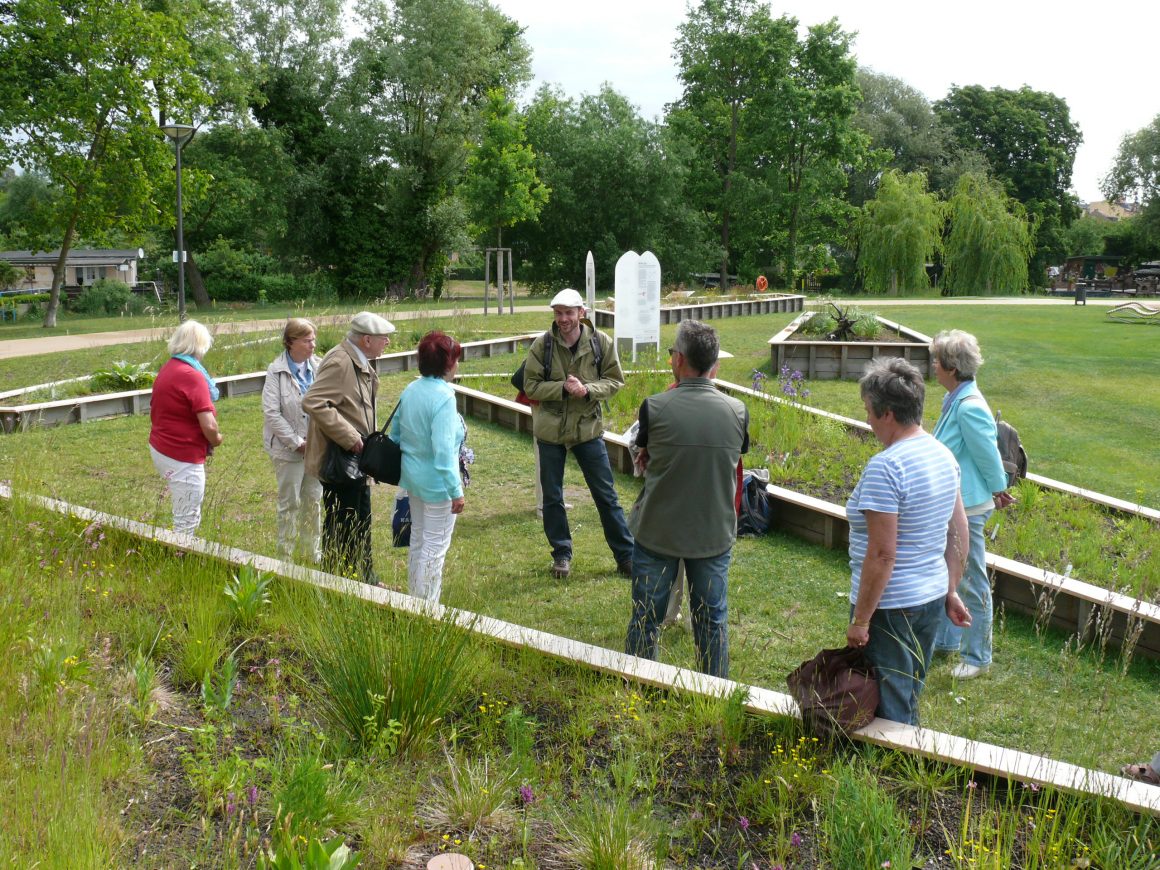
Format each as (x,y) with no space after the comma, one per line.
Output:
(299,511)
(901,644)
(186,482)
(593,460)
(431,526)
(974,643)
(652,584)
(346,531)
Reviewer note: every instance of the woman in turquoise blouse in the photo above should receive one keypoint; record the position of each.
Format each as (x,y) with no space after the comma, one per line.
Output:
(967,428)
(429,429)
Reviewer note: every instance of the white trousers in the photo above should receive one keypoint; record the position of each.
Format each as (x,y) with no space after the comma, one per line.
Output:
(431,526)
(186,482)
(299,510)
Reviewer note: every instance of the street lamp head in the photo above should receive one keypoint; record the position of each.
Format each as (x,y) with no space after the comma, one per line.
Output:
(179,133)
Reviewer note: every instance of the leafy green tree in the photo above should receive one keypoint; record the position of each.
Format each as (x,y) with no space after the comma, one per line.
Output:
(990,240)
(22,199)
(814,140)
(412,104)
(502,187)
(1029,142)
(1135,171)
(1135,174)
(900,231)
(618,184)
(240,194)
(100,69)
(730,54)
(1085,237)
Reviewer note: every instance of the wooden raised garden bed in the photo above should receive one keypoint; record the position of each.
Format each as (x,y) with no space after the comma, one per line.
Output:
(764,304)
(833,360)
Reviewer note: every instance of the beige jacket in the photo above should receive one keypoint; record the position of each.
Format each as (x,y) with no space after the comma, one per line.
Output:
(340,403)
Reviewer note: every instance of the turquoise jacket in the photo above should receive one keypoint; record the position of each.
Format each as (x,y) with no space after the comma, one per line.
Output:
(429,429)
(967,428)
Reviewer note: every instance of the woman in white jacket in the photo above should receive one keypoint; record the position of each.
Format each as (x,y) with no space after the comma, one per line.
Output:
(284,437)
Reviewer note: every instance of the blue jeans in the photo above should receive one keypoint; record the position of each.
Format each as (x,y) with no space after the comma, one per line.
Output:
(652,583)
(974,643)
(901,644)
(593,459)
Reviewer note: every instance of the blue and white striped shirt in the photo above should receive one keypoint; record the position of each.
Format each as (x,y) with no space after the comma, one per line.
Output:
(917,479)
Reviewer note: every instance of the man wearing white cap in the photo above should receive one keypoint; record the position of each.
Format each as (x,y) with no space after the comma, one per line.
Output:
(570,370)
(341,407)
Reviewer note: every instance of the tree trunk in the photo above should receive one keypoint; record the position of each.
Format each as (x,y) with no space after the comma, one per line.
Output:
(58,273)
(196,283)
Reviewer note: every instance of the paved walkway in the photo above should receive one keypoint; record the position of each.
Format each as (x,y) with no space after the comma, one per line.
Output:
(58,343)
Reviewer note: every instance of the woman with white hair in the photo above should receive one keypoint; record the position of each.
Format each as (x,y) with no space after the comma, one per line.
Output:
(185,429)
(967,428)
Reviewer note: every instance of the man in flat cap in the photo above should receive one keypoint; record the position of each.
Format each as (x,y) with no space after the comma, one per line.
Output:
(341,407)
(570,370)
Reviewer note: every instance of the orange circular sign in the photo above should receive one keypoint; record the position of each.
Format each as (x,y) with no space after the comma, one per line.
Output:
(762,284)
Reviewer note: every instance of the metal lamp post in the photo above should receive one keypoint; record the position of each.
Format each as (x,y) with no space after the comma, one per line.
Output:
(180,134)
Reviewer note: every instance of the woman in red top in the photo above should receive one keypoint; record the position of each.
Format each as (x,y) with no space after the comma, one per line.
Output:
(185,428)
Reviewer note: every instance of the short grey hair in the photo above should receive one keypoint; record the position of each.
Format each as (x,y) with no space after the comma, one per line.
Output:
(699,344)
(191,339)
(959,352)
(893,384)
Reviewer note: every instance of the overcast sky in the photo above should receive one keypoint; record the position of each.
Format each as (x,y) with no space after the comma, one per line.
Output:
(1100,57)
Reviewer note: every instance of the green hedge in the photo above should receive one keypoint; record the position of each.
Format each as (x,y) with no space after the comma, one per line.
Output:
(25,298)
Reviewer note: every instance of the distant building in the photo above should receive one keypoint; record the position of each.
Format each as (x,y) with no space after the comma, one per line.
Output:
(1110,211)
(83,267)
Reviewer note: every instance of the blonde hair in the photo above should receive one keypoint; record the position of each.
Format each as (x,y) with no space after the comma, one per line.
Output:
(191,339)
(296,328)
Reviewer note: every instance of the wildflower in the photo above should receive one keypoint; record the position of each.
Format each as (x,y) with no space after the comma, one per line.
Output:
(230,806)
(972,784)
(743,823)
(795,839)
(526,794)
(252,795)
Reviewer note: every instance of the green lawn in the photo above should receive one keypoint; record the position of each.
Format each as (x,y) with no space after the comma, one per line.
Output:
(787,598)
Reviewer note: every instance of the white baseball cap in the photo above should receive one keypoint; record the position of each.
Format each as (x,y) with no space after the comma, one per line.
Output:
(568,298)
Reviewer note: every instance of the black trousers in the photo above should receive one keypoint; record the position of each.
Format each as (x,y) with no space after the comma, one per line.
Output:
(346,531)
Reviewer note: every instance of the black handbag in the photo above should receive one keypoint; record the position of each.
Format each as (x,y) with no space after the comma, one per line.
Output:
(381,457)
(340,467)
(837,691)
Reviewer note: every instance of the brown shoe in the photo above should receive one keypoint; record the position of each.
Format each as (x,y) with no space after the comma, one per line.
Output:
(561,568)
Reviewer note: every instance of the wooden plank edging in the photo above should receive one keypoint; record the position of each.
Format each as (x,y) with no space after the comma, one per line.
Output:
(982,757)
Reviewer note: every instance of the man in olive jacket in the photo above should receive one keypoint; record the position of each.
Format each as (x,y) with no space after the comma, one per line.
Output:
(582,371)
(341,407)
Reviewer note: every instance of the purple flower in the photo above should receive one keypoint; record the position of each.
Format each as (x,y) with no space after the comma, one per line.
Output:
(743,822)
(795,839)
(230,806)
(972,784)
(252,795)
(526,794)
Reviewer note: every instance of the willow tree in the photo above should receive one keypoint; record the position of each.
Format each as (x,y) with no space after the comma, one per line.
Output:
(990,241)
(899,232)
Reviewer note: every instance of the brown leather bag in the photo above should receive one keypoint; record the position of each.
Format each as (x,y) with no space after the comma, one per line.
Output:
(837,691)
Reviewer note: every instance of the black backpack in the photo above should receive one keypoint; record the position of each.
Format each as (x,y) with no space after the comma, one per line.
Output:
(517,378)
(753,518)
(1010,450)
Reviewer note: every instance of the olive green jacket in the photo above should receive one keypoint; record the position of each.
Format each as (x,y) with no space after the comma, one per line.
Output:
(560,418)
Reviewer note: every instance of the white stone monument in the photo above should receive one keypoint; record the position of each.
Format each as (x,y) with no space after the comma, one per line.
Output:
(590,283)
(638,302)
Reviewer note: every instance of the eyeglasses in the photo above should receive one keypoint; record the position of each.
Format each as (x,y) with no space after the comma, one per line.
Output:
(673,350)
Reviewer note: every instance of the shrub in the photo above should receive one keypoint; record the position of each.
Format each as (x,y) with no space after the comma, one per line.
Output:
(108,297)
(122,375)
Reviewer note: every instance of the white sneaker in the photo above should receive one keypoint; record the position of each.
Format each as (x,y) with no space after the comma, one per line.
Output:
(968,672)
